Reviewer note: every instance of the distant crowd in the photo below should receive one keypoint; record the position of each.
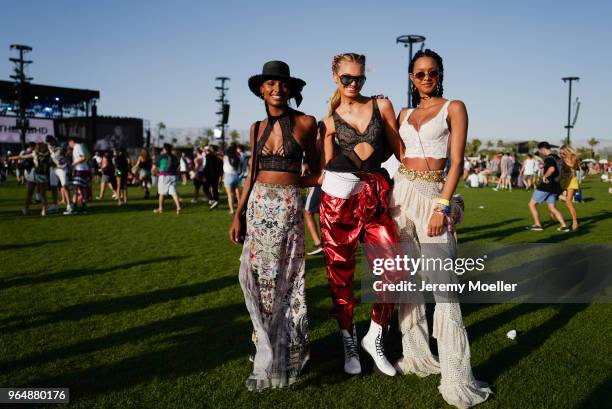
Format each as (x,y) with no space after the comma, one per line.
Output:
(552,175)
(73,176)
(508,170)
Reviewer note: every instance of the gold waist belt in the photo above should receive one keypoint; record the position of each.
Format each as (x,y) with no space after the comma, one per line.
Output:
(426,175)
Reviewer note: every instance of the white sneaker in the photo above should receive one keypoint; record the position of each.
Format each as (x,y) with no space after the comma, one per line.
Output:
(214,204)
(24,212)
(43,212)
(373,345)
(194,201)
(352,365)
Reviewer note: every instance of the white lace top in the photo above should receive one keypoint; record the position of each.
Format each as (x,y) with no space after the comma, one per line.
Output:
(434,135)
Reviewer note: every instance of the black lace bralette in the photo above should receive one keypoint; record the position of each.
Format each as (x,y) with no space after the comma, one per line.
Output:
(288,157)
(347,137)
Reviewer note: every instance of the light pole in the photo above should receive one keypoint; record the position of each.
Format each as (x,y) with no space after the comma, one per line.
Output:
(408,40)
(21,85)
(569,125)
(224,111)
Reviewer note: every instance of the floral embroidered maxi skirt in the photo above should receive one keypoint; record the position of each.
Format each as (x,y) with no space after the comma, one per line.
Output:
(273,282)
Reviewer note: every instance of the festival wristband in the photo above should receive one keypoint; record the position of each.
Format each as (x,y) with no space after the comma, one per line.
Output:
(449,222)
(443,202)
(440,208)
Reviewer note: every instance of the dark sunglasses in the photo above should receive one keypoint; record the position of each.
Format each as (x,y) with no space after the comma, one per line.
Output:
(346,80)
(422,74)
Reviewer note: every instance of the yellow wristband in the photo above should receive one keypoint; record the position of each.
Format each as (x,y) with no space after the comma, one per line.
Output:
(443,201)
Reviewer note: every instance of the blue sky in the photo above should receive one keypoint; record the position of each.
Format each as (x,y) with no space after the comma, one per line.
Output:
(157,60)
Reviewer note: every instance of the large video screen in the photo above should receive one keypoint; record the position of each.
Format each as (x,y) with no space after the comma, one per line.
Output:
(110,132)
(39,128)
(113,135)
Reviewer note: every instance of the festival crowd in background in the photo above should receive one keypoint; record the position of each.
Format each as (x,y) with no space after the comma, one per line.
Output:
(74,178)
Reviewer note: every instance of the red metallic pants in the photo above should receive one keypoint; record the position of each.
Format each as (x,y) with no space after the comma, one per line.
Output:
(344,222)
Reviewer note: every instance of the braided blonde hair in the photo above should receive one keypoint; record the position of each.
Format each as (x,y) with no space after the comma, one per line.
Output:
(334,100)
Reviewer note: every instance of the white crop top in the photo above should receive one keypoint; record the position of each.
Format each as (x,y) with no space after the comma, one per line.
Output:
(434,136)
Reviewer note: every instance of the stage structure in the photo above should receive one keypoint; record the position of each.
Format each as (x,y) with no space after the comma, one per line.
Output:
(45,101)
(62,112)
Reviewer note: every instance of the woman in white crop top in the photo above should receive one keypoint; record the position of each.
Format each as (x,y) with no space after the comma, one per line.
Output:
(433,133)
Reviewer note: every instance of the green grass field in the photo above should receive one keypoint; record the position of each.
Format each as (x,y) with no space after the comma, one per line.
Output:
(131,309)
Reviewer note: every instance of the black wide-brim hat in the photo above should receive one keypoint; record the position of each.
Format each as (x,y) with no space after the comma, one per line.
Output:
(278,70)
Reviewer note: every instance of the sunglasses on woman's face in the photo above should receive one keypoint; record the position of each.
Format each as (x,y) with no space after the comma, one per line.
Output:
(346,80)
(422,74)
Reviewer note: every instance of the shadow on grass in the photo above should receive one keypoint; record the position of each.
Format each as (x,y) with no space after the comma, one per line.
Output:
(600,397)
(586,225)
(530,340)
(186,344)
(121,304)
(81,272)
(491,234)
(479,227)
(16,246)
(178,346)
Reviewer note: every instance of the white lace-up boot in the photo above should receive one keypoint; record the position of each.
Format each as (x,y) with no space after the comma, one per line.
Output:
(373,345)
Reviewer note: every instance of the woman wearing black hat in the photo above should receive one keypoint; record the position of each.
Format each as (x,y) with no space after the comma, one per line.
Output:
(272,261)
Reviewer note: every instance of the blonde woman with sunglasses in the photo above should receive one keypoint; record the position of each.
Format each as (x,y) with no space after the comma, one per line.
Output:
(357,136)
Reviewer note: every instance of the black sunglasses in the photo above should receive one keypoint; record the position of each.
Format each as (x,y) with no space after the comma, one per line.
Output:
(346,80)
(422,74)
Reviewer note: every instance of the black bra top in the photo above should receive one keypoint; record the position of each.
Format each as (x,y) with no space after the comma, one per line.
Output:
(288,157)
(347,137)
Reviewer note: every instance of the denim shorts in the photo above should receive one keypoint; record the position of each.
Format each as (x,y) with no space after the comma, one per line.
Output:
(313,200)
(540,196)
(231,180)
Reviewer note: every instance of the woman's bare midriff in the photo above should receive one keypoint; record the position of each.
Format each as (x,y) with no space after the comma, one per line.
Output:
(421,163)
(278,178)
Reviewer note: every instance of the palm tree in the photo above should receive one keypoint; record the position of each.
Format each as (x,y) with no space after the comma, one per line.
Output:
(235,136)
(489,144)
(469,147)
(500,143)
(592,143)
(476,144)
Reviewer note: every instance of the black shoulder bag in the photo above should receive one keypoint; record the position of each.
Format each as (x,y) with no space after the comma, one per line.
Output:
(243,221)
